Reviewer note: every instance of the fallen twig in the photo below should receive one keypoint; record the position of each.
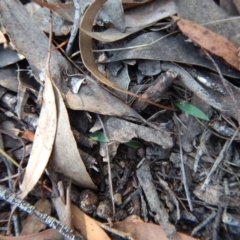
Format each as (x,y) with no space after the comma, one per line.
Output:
(6,195)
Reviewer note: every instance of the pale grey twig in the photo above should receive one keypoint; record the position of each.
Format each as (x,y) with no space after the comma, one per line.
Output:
(161,216)
(14,215)
(217,222)
(74,30)
(171,194)
(201,149)
(109,168)
(215,165)
(184,179)
(218,161)
(226,187)
(6,195)
(204,223)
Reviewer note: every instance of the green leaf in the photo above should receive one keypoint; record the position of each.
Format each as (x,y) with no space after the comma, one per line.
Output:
(98,136)
(190,109)
(134,144)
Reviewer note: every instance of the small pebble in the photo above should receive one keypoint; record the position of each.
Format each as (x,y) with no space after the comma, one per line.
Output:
(118,199)
(105,211)
(88,201)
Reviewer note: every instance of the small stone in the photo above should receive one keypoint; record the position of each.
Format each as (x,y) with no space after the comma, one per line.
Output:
(88,201)
(118,199)
(105,211)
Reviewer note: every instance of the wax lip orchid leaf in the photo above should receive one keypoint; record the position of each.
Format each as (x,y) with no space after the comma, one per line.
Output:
(98,136)
(190,109)
(134,144)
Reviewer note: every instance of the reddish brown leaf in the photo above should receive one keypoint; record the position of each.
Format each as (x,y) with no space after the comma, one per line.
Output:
(210,41)
(28,135)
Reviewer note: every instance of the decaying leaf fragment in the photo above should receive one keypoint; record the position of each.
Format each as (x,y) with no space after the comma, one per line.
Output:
(210,41)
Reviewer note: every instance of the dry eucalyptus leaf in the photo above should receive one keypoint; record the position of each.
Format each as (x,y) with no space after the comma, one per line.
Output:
(65,156)
(149,67)
(112,12)
(133,3)
(210,41)
(41,15)
(9,56)
(108,150)
(88,226)
(8,78)
(122,80)
(149,13)
(112,34)
(93,98)
(35,46)
(65,10)
(43,140)
(199,11)
(141,230)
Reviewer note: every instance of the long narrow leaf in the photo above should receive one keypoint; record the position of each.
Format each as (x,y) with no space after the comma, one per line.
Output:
(190,109)
(43,140)
(134,144)
(98,136)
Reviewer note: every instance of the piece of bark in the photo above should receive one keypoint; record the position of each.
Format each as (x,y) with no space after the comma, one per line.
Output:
(123,131)
(156,91)
(161,216)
